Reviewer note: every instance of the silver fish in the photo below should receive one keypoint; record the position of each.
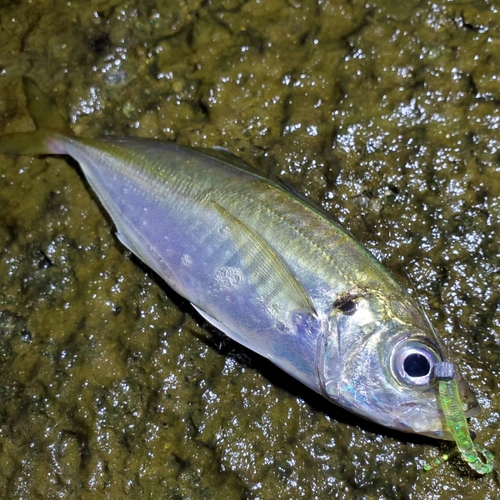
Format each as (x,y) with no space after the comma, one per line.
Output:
(265,267)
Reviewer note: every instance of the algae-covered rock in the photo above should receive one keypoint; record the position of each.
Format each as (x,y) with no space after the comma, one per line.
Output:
(385,113)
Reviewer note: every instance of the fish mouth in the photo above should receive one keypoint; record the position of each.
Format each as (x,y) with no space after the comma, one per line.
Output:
(428,419)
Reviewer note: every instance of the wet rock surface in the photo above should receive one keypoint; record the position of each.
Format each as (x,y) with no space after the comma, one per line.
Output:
(385,113)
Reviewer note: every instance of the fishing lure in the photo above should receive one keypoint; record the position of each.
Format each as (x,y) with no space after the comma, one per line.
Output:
(449,398)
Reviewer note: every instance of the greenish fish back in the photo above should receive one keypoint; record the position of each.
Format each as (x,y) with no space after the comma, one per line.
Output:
(230,159)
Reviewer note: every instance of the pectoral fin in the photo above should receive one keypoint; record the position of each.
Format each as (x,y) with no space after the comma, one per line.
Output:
(279,289)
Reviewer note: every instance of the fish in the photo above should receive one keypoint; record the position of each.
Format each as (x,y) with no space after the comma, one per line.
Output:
(269,269)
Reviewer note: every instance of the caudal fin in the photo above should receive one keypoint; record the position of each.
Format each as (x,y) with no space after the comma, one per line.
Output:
(47,119)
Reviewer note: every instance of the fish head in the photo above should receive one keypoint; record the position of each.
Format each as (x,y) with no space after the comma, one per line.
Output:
(377,361)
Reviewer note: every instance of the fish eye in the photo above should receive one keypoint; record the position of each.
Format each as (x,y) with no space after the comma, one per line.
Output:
(416,365)
(412,363)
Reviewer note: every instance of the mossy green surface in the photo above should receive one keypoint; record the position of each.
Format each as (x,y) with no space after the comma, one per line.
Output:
(386,113)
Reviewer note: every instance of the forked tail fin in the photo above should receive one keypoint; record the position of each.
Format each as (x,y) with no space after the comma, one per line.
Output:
(47,119)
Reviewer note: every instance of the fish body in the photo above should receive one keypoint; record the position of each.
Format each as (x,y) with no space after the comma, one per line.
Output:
(270,270)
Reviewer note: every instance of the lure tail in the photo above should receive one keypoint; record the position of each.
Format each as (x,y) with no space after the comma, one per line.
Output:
(47,119)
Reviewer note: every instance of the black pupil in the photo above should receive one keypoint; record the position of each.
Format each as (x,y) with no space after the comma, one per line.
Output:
(416,365)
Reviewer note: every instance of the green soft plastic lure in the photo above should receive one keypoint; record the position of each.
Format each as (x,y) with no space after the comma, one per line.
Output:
(457,422)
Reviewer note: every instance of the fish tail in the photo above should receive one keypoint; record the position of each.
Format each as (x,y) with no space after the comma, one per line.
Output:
(48,122)
(30,143)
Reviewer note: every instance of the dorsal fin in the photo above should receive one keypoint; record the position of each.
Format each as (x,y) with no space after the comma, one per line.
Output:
(225,156)
(302,197)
